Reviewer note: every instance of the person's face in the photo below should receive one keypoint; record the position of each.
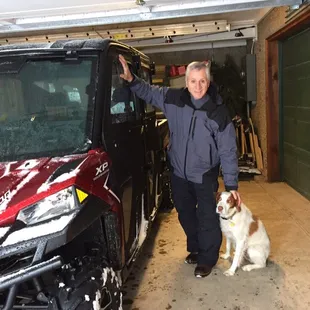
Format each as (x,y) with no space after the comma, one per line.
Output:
(197,83)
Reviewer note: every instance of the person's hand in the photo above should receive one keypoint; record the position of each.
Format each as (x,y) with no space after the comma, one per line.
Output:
(237,197)
(127,76)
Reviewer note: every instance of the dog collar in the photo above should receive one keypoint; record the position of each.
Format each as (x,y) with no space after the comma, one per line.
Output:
(228,218)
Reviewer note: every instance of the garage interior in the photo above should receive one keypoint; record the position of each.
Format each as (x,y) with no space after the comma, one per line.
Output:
(260,58)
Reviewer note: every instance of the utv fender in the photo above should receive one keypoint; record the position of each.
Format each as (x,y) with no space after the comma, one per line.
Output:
(91,211)
(94,209)
(95,213)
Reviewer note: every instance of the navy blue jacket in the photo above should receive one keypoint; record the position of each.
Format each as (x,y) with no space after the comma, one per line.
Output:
(200,139)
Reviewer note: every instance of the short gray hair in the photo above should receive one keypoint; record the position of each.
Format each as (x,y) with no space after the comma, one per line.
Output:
(199,65)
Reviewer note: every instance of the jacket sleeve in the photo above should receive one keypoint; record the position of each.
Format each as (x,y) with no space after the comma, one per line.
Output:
(151,94)
(227,148)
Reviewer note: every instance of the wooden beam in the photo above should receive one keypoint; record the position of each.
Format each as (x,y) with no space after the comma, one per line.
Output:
(297,24)
(272,106)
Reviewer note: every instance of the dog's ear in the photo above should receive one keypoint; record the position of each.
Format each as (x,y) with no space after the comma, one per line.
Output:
(233,203)
(217,197)
(237,207)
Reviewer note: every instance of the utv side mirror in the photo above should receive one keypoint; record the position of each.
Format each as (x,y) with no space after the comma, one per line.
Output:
(153,68)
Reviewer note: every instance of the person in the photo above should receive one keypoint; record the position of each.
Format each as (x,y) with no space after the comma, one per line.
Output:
(202,137)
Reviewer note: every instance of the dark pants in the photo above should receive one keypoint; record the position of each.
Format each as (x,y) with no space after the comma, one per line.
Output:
(196,207)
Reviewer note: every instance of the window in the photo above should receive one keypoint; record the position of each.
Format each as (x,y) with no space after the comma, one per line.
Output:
(146,77)
(123,102)
(50,104)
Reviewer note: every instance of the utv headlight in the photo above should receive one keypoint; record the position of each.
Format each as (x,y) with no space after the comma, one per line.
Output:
(52,206)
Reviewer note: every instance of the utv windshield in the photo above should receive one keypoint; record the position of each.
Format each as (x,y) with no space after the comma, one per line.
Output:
(46,106)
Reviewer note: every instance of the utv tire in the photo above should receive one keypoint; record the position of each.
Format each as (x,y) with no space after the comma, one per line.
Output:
(167,204)
(92,287)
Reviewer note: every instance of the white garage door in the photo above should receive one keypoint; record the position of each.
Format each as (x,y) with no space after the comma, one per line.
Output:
(21,16)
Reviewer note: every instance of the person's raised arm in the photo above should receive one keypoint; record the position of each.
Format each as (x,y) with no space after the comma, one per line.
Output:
(149,93)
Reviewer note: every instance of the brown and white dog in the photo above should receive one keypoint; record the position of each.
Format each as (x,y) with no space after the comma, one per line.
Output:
(244,231)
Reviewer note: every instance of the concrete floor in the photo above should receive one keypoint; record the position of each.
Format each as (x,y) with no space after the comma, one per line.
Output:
(162,281)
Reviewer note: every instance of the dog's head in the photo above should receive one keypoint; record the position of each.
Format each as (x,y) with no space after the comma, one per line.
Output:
(226,204)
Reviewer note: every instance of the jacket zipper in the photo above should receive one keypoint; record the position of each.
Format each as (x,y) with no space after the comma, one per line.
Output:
(188,137)
(194,126)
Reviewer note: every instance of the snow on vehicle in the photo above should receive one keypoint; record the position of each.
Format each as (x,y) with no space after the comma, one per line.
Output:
(82,173)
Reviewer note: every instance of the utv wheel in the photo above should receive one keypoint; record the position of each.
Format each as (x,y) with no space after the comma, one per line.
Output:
(92,287)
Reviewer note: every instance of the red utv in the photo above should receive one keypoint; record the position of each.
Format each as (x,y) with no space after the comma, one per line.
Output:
(82,173)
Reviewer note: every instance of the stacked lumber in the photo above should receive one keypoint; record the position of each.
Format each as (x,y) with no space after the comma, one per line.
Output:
(250,153)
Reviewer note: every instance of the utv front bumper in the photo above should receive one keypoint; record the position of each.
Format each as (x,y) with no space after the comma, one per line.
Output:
(37,244)
(13,279)
(29,272)
(39,240)
(30,244)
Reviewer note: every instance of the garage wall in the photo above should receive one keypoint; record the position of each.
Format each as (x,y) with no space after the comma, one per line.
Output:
(185,57)
(270,24)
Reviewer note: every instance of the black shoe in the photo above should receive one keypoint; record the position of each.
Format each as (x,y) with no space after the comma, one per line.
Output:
(191,258)
(202,271)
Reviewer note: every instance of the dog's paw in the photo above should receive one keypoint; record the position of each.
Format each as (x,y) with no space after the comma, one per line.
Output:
(250,267)
(224,256)
(229,273)
(247,268)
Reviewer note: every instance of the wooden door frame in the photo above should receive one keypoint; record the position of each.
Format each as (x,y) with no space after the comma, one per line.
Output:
(299,23)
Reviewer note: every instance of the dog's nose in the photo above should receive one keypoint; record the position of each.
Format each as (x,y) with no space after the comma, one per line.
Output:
(220,208)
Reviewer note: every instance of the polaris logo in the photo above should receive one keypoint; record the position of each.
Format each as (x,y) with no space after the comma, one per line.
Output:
(5,197)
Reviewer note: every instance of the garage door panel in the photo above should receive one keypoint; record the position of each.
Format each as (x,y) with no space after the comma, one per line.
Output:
(289,112)
(303,114)
(296,93)
(290,99)
(290,128)
(303,89)
(296,49)
(296,87)
(289,149)
(297,81)
(289,166)
(303,136)
(303,156)
(302,182)
(296,112)
(297,72)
